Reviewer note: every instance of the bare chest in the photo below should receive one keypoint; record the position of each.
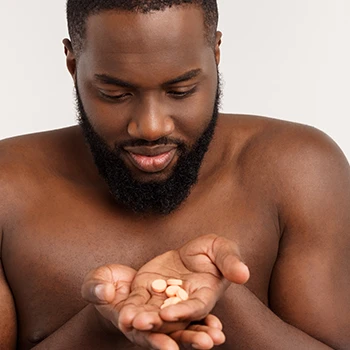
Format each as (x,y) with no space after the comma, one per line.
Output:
(54,243)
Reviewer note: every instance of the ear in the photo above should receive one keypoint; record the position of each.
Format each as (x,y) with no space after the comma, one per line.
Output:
(70,58)
(217,47)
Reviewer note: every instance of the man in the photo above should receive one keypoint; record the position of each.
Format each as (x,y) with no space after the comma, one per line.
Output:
(156,183)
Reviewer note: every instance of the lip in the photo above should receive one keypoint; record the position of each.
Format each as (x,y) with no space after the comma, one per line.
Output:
(151,159)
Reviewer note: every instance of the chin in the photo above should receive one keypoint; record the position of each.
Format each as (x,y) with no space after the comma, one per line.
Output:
(144,177)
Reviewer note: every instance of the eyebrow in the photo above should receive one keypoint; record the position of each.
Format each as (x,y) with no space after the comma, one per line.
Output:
(184,77)
(106,79)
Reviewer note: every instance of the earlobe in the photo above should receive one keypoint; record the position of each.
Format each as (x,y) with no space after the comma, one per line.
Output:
(70,58)
(217,47)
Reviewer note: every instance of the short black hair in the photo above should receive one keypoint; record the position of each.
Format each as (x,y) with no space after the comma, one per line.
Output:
(79,10)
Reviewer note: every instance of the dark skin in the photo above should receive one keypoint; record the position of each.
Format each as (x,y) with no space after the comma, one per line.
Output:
(278,191)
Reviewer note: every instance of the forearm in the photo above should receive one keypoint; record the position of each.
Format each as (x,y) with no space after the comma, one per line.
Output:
(249,324)
(85,331)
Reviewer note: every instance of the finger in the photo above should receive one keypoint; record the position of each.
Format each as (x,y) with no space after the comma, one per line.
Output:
(141,310)
(217,336)
(213,322)
(151,321)
(150,340)
(197,339)
(159,341)
(147,316)
(194,309)
(147,320)
(135,304)
(223,253)
(226,256)
(101,285)
(98,293)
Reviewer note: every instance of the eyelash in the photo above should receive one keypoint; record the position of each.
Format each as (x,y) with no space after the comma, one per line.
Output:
(117,98)
(183,94)
(174,94)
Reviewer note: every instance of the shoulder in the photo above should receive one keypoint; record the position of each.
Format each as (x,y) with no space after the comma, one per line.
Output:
(27,161)
(274,139)
(284,155)
(23,155)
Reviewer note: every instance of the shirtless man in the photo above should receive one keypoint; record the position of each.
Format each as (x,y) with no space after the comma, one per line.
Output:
(154,182)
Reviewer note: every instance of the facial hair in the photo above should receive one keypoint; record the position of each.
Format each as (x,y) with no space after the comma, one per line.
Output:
(157,197)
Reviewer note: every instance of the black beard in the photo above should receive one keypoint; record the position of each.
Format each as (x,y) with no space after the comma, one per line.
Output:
(158,197)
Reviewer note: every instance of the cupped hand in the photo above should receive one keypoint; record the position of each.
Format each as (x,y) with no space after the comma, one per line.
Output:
(206,265)
(108,288)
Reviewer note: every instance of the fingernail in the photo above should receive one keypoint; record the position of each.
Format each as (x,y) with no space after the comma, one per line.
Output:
(247,268)
(99,292)
(148,328)
(244,266)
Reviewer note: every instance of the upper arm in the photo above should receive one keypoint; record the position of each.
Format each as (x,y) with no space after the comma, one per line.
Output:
(8,322)
(8,314)
(310,285)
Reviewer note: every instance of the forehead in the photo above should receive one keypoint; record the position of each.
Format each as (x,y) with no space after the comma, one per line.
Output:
(127,41)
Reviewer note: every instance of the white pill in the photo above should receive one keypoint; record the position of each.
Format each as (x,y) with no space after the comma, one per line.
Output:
(172,301)
(175,300)
(166,304)
(167,301)
(182,294)
(174,282)
(171,291)
(159,286)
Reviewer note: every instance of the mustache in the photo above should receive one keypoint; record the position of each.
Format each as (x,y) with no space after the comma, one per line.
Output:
(140,143)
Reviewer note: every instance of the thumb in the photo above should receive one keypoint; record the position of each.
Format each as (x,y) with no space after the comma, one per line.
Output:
(226,256)
(107,283)
(98,292)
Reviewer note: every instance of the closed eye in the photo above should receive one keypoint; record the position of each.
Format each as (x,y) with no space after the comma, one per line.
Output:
(181,94)
(119,98)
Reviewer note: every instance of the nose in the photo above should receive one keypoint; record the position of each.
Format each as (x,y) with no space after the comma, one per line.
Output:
(150,120)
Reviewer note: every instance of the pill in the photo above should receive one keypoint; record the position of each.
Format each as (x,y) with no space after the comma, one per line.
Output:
(182,294)
(165,304)
(172,301)
(171,291)
(159,286)
(174,282)
(167,301)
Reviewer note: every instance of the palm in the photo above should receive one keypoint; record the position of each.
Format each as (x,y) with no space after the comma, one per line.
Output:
(127,301)
(204,282)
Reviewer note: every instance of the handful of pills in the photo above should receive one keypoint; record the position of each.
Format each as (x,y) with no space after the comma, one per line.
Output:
(172,289)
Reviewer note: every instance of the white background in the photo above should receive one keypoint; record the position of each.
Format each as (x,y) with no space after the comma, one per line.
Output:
(287,59)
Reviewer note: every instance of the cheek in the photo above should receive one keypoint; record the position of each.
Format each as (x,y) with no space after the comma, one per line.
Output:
(109,120)
(194,116)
